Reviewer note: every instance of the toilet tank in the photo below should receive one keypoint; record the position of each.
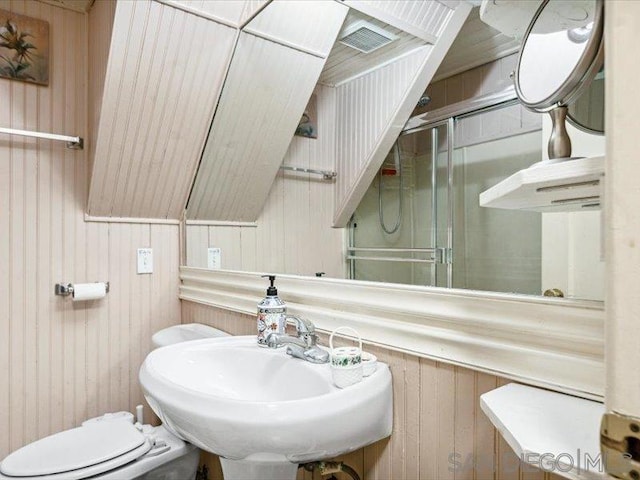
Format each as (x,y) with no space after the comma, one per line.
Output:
(185,333)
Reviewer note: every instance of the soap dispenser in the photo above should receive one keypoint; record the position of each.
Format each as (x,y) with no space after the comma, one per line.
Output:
(272,314)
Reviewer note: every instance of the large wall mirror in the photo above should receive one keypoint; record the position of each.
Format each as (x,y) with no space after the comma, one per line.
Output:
(587,112)
(420,222)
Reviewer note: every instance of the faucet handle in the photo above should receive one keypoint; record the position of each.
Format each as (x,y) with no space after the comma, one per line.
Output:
(303,326)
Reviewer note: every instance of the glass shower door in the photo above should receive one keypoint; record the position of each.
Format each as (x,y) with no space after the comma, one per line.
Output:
(401,231)
(496,250)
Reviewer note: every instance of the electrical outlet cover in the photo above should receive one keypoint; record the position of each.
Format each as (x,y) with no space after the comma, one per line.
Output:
(214,258)
(145,260)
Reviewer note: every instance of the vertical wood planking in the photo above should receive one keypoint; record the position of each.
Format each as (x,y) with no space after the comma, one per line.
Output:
(439,430)
(61,362)
(485,434)
(466,406)
(375,97)
(234,176)
(445,419)
(153,113)
(5,274)
(100,25)
(413,417)
(427,17)
(197,244)
(293,233)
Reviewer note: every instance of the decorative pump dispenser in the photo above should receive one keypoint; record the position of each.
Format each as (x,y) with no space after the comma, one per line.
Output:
(272,314)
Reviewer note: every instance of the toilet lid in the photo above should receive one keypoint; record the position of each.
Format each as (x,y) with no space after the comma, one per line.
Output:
(75,449)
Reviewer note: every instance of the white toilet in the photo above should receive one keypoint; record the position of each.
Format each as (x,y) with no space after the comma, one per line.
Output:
(113,446)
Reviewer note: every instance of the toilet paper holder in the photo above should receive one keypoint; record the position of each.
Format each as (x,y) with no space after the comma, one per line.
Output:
(66,289)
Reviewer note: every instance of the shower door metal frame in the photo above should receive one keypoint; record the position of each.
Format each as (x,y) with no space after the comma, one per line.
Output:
(439,255)
(447,116)
(447,257)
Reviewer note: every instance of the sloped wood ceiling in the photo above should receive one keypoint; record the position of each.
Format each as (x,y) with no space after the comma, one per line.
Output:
(345,63)
(167,63)
(165,72)
(274,70)
(477,44)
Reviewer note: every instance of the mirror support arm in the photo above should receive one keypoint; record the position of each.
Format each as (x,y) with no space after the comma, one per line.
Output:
(559,142)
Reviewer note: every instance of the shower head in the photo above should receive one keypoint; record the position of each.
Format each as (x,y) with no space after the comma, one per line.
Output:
(424,101)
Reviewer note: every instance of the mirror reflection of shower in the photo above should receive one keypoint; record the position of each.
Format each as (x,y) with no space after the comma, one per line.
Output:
(399,231)
(386,170)
(445,238)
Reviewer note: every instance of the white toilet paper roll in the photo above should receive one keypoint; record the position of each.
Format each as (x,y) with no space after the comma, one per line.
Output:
(89,291)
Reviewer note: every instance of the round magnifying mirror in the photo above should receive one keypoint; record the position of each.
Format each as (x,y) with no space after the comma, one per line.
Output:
(561,52)
(587,112)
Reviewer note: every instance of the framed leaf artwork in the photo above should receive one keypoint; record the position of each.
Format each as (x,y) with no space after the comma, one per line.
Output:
(24,48)
(308,126)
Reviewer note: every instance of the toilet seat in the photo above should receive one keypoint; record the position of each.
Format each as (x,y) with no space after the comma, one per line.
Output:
(77,453)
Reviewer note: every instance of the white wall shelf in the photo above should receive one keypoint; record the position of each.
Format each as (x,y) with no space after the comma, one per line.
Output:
(552,431)
(560,186)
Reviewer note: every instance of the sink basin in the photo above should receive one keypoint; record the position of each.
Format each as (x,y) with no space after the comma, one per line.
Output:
(261,410)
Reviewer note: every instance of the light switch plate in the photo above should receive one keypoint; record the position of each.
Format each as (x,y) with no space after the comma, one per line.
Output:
(145,260)
(214,258)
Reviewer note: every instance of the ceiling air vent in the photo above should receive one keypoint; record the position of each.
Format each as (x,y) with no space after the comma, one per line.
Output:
(366,37)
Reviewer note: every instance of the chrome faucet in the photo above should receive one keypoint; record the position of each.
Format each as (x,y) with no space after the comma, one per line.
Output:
(304,345)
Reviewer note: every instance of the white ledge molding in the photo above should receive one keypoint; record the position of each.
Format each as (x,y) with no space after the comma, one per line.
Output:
(555,343)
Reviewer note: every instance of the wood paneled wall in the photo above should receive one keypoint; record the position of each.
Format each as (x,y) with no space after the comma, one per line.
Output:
(275,67)
(436,415)
(62,362)
(293,233)
(101,18)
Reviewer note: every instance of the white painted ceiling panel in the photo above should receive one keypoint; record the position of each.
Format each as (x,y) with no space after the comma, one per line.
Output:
(159,96)
(476,44)
(250,8)
(229,10)
(311,25)
(421,18)
(345,63)
(266,92)
(428,16)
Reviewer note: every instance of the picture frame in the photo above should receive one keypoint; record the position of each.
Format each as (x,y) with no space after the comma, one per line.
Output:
(24,48)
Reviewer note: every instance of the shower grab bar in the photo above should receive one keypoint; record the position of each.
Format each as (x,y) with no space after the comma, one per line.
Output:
(73,143)
(393,249)
(393,259)
(326,174)
(438,255)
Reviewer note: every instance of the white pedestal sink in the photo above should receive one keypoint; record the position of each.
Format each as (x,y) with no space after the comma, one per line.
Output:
(261,410)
